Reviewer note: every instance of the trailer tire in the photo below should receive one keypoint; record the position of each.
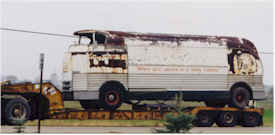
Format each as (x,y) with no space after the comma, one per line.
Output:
(251,119)
(17,111)
(204,119)
(227,119)
(240,97)
(111,95)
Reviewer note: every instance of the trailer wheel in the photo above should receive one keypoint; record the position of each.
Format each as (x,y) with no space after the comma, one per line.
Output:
(111,95)
(17,111)
(251,119)
(240,97)
(214,104)
(204,119)
(227,119)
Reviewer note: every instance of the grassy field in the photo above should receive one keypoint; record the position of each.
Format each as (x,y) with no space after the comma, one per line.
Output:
(267,104)
(268,113)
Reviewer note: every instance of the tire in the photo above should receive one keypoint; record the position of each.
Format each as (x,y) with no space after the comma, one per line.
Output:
(214,104)
(3,119)
(227,119)
(33,105)
(251,119)
(17,111)
(240,97)
(203,119)
(111,96)
(88,104)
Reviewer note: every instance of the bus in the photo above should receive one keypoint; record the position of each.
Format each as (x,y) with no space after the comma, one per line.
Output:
(107,68)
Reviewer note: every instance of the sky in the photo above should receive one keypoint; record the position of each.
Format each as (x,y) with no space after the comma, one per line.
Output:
(251,19)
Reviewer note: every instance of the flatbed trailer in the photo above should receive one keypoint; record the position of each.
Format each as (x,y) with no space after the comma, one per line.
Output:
(20,102)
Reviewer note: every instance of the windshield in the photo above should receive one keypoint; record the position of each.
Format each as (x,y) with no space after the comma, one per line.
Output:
(92,38)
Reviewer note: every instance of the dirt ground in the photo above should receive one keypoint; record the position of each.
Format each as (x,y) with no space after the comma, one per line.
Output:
(196,130)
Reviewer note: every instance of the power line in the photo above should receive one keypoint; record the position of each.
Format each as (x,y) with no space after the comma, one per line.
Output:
(266,53)
(34,32)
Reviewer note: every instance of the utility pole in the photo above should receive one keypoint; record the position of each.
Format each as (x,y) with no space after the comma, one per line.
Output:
(40,93)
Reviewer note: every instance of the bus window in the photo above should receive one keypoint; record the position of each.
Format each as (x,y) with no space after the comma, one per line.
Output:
(100,38)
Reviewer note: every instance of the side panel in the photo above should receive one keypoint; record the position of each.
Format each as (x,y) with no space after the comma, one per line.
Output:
(141,80)
(168,66)
(95,65)
(86,86)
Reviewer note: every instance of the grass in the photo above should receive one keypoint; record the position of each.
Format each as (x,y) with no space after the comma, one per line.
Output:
(268,112)
(267,119)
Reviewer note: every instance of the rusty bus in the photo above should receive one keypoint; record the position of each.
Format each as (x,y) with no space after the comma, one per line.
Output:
(116,67)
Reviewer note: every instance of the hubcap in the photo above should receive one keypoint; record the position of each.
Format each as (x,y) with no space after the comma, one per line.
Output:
(239,98)
(111,97)
(18,111)
(228,117)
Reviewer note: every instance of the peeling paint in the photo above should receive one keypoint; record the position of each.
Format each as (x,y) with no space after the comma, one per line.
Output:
(110,51)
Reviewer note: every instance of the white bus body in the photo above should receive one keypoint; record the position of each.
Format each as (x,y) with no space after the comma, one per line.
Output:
(157,66)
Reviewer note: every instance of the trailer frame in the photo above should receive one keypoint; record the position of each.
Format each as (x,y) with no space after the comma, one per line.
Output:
(54,103)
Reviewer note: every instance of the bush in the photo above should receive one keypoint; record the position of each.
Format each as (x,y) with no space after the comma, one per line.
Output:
(177,123)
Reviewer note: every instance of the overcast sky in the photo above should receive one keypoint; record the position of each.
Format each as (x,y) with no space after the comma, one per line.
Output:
(251,19)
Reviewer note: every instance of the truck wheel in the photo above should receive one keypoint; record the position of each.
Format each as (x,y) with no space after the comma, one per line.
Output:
(17,111)
(227,119)
(204,119)
(110,96)
(214,104)
(240,97)
(251,119)
(86,104)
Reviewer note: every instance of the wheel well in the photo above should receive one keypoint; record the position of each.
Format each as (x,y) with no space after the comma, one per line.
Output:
(244,85)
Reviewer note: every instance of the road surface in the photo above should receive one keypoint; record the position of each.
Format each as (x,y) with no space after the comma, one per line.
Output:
(198,130)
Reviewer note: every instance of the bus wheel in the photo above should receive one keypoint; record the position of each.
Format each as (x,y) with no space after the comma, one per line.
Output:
(203,119)
(251,119)
(111,96)
(17,111)
(240,97)
(227,119)
(214,104)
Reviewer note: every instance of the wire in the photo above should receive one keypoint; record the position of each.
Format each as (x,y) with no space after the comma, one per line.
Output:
(69,36)
(266,53)
(34,32)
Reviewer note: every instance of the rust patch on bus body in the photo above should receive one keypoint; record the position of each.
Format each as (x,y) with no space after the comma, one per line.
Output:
(108,62)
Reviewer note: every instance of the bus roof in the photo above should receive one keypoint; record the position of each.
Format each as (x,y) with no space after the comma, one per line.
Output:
(115,36)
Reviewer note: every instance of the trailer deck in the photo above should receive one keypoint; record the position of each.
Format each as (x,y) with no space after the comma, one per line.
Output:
(25,96)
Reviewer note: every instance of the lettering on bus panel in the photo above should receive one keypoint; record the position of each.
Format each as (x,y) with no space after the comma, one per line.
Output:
(178,70)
